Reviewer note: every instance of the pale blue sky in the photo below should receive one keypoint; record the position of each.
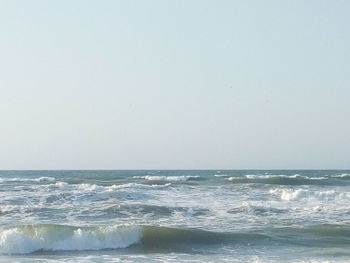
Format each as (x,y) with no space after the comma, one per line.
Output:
(174,84)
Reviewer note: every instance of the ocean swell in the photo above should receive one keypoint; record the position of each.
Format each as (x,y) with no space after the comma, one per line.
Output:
(179,178)
(31,238)
(34,238)
(305,194)
(282,179)
(39,179)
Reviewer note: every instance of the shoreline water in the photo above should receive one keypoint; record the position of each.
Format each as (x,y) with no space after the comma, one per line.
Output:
(172,216)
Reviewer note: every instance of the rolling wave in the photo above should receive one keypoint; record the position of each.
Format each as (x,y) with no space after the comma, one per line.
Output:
(179,178)
(305,194)
(295,179)
(99,188)
(35,238)
(39,179)
(31,238)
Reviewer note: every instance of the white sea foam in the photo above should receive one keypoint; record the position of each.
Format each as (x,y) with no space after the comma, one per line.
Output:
(232,178)
(341,175)
(79,187)
(316,178)
(321,261)
(168,178)
(61,184)
(264,176)
(23,240)
(287,195)
(304,194)
(111,188)
(136,186)
(220,175)
(267,176)
(40,179)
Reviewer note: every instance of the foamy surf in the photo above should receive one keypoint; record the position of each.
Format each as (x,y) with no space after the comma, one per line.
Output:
(177,215)
(100,189)
(306,194)
(34,238)
(31,238)
(295,179)
(168,178)
(39,179)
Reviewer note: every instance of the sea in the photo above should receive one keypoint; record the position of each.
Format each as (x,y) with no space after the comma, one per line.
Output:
(175,216)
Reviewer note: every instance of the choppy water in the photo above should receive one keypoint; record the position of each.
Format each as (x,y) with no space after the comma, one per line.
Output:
(172,216)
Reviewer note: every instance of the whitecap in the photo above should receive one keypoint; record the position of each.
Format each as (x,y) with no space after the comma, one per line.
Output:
(16,179)
(167,178)
(28,239)
(111,188)
(220,175)
(305,194)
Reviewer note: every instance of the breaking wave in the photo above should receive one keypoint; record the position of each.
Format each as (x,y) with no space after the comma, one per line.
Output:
(31,238)
(168,178)
(40,179)
(295,179)
(304,194)
(35,238)
(111,188)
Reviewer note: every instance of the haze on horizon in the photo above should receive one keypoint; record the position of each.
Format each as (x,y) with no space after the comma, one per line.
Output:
(174,84)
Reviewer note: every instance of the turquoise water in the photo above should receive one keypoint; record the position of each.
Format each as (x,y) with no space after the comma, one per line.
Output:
(172,216)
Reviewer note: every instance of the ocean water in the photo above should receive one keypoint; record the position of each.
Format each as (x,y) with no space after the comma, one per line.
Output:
(175,216)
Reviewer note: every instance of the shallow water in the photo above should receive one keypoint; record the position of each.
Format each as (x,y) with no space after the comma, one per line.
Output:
(172,216)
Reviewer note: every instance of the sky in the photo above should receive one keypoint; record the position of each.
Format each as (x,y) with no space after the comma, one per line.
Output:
(182,84)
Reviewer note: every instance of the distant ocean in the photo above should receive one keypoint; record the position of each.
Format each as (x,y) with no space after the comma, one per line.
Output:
(175,216)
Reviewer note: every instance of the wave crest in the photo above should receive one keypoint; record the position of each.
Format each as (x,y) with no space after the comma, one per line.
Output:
(282,179)
(28,239)
(302,194)
(168,178)
(34,238)
(39,179)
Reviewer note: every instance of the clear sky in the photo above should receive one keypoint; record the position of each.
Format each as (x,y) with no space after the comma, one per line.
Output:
(179,84)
